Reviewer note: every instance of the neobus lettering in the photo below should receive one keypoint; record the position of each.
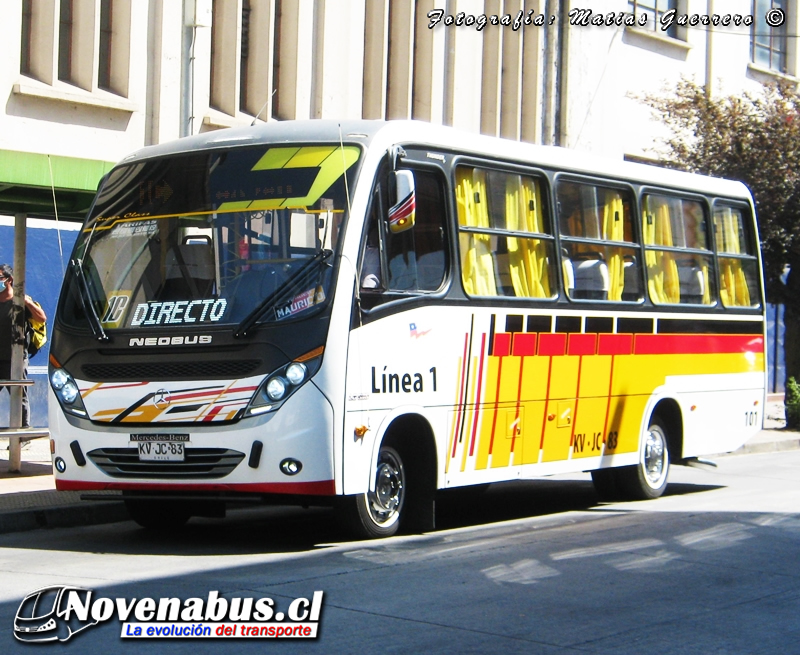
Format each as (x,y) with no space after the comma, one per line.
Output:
(170,341)
(182,311)
(397,382)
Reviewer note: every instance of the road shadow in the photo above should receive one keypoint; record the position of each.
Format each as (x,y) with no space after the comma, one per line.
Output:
(281,529)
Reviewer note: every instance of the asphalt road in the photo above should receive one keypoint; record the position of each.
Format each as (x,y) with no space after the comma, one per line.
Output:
(536,567)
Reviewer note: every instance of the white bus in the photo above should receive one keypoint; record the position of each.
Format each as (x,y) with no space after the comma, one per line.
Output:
(366,313)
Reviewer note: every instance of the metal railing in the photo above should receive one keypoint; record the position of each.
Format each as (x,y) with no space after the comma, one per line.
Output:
(17,436)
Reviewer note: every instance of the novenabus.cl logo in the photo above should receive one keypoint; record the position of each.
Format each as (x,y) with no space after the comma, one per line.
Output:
(46,614)
(58,612)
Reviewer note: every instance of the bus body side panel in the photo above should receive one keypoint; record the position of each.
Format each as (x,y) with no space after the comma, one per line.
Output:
(400,363)
(720,412)
(512,404)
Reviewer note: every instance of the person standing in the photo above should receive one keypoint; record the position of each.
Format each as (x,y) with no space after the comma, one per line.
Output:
(32,310)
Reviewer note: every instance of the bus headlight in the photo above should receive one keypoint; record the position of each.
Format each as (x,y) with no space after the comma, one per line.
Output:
(276,388)
(67,392)
(296,373)
(282,383)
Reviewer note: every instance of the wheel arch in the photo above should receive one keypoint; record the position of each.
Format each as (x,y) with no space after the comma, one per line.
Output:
(669,413)
(411,434)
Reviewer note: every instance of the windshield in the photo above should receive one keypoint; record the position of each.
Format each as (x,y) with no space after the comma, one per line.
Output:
(202,239)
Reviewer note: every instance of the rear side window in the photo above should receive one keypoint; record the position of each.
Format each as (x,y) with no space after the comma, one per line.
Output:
(736,255)
(678,254)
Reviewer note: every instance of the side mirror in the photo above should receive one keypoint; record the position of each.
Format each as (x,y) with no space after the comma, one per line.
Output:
(403,212)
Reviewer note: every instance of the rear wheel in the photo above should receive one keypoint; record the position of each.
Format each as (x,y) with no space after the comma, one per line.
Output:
(158,514)
(377,513)
(648,479)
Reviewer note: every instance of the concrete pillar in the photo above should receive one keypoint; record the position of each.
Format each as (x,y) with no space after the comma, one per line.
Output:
(17,340)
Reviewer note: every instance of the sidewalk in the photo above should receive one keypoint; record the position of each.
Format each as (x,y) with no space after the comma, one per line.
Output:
(29,500)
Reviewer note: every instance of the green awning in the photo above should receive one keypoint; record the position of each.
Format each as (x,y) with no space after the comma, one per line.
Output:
(27,181)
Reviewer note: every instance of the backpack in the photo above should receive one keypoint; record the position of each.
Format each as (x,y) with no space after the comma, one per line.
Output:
(36,335)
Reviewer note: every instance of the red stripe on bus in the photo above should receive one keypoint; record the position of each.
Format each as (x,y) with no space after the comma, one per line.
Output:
(577,401)
(546,403)
(517,427)
(523,344)
(318,488)
(581,344)
(478,397)
(460,409)
(502,344)
(696,344)
(552,344)
(615,344)
(214,411)
(496,397)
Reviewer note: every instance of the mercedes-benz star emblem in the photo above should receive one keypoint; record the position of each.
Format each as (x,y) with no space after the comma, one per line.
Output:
(161,398)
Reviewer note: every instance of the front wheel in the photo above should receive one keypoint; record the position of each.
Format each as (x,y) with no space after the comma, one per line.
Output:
(648,479)
(377,513)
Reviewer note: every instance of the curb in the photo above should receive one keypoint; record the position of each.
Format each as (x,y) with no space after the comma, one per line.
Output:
(775,446)
(90,513)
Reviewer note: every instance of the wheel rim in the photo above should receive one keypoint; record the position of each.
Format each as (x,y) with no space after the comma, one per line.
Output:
(386,501)
(654,457)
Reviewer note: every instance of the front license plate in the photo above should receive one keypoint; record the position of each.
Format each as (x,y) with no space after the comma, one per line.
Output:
(160,447)
(160,451)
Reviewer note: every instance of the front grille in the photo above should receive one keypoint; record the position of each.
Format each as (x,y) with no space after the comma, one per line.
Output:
(225,369)
(200,463)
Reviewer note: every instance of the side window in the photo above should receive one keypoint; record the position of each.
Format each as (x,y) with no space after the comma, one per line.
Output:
(505,245)
(736,255)
(599,258)
(413,260)
(677,251)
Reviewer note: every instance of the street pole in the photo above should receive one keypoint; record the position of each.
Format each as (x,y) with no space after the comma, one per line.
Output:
(17,341)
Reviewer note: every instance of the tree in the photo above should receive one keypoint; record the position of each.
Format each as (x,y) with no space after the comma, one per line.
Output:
(754,138)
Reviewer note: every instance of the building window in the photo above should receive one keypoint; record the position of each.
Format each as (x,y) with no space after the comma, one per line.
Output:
(25,51)
(244,54)
(65,41)
(654,10)
(83,43)
(104,55)
(768,45)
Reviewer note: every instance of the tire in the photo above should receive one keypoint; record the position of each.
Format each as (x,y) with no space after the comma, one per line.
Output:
(377,514)
(648,479)
(160,515)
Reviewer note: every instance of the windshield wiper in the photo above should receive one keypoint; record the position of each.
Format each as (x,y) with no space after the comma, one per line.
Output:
(76,266)
(290,285)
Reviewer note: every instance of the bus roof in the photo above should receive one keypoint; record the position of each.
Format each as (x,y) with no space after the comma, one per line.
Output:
(383,134)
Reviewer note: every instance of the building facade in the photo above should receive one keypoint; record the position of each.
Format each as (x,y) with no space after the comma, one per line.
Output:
(88,81)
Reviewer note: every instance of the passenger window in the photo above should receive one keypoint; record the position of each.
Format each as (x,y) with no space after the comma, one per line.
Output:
(410,261)
(677,252)
(738,264)
(600,259)
(505,245)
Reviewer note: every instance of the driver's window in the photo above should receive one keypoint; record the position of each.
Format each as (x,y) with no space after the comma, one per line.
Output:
(413,260)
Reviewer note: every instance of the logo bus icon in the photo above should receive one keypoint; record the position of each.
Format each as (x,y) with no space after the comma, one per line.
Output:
(42,615)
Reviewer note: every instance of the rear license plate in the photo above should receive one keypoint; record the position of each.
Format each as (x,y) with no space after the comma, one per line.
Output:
(160,447)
